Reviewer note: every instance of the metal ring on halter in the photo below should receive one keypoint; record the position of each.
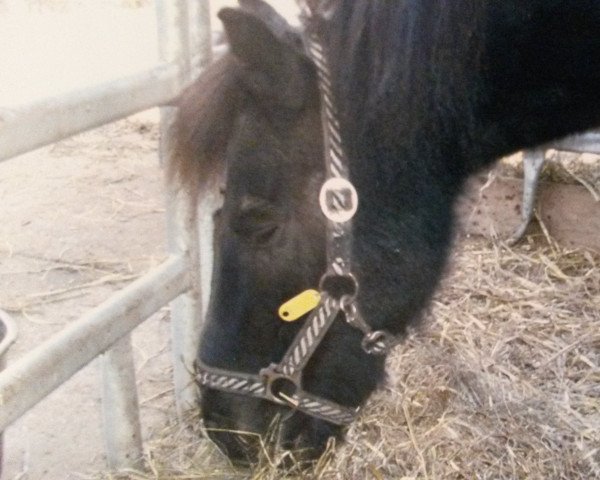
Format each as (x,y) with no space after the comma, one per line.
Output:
(270,376)
(348,277)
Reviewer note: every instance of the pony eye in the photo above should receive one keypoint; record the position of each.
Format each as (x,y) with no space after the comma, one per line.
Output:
(257,226)
(257,220)
(263,234)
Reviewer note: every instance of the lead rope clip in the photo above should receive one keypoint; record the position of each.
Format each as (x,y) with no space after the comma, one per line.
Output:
(374,342)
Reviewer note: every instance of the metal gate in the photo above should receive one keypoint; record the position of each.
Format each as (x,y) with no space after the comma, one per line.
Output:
(184,48)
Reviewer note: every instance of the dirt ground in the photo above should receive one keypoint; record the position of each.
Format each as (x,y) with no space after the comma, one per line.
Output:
(80,220)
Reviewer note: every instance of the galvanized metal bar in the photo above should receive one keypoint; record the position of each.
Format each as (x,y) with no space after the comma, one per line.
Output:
(186,310)
(585,143)
(8,334)
(27,381)
(200,37)
(48,366)
(120,409)
(202,54)
(121,422)
(174,35)
(173,40)
(53,119)
(533,162)
(172,20)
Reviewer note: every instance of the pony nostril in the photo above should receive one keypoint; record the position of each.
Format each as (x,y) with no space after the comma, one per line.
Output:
(242,449)
(209,424)
(215,421)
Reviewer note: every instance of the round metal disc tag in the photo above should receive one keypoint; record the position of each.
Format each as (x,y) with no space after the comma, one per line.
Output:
(338,200)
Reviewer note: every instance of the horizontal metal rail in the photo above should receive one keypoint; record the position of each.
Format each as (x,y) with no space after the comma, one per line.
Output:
(40,123)
(584,143)
(28,380)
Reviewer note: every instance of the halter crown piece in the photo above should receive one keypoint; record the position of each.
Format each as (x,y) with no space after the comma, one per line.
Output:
(281,383)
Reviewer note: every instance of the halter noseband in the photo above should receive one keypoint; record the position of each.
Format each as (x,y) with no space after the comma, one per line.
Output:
(339,201)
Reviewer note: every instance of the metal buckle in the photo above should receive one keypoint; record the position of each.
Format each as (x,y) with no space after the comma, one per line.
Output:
(271,375)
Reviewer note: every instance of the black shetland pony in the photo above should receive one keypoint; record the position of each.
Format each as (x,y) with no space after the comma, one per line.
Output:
(429,91)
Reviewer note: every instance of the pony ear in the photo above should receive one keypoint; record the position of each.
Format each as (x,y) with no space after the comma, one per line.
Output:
(270,52)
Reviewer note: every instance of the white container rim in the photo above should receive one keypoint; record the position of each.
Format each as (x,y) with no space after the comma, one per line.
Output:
(8,330)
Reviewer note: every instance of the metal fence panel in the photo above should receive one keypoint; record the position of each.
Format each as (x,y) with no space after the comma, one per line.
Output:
(184,44)
(43,369)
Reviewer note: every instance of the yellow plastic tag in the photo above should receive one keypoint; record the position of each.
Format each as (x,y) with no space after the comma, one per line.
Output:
(301,304)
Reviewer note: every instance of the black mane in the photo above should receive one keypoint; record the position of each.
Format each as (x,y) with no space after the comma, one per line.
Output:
(488,74)
(404,65)
(430,92)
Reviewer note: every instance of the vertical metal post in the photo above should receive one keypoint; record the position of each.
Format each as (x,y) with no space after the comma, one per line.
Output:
(202,54)
(200,36)
(175,22)
(186,310)
(120,411)
(533,162)
(172,20)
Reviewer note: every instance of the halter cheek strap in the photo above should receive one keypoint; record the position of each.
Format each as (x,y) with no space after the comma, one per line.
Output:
(281,383)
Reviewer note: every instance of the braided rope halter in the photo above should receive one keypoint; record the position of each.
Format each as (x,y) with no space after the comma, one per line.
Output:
(339,201)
